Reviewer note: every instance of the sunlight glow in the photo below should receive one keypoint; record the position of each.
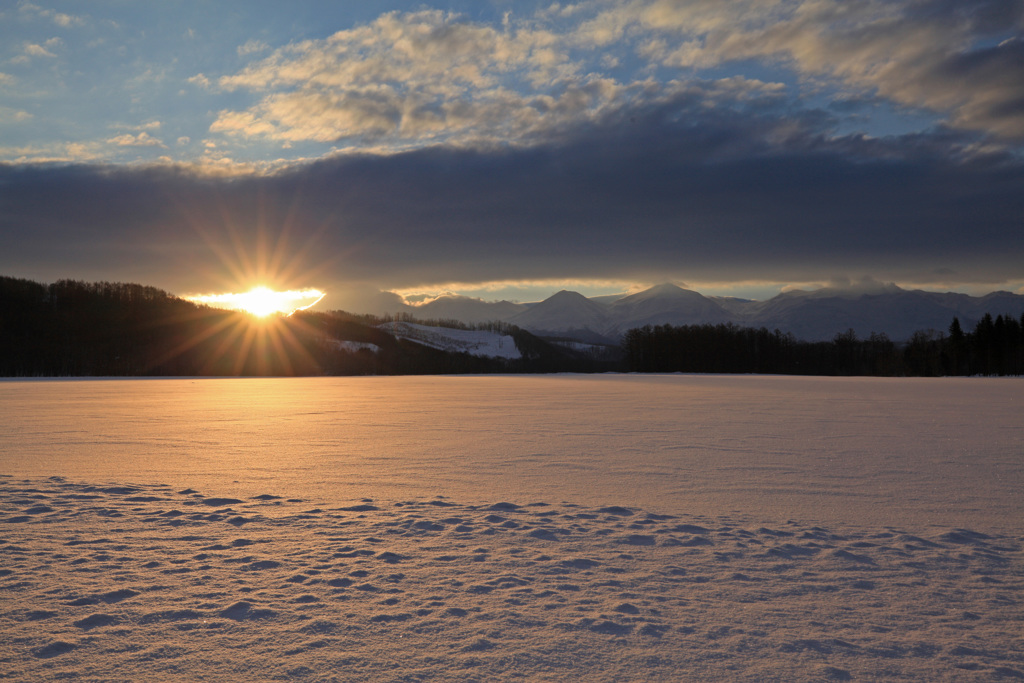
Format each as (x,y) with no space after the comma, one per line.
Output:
(262,301)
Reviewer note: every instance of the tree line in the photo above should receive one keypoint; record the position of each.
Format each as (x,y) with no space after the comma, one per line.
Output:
(995,347)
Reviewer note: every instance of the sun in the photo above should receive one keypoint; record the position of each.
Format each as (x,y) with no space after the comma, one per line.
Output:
(262,301)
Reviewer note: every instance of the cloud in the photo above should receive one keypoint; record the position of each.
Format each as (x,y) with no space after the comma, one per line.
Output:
(33,50)
(251,47)
(60,18)
(36,50)
(928,53)
(142,139)
(995,78)
(671,190)
(199,80)
(422,76)
(54,153)
(8,114)
(67,20)
(428,77)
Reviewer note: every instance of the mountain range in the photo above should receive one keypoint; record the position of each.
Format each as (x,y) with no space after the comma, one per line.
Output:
(809,315)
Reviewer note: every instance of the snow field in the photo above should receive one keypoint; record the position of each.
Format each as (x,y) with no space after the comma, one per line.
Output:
(597,528)
(142,582)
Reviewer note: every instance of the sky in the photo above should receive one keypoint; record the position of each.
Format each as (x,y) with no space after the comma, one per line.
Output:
(507,150)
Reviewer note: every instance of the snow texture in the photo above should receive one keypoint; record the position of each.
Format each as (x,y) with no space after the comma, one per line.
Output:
(598,528)
(142,582)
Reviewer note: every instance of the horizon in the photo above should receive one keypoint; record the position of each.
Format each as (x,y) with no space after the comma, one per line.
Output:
(866,287)
(261,301)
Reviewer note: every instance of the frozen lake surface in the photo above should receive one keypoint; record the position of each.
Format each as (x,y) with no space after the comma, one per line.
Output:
(858,450)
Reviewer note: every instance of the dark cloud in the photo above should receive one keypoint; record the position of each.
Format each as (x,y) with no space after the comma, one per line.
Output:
(979,16)
(675,191)
(996,75)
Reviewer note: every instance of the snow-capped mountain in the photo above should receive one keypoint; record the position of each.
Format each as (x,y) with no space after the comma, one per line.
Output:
(809,315)
(567,314)
(665,304)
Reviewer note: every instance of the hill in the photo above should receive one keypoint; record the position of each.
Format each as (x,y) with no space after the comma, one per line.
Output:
(72,328)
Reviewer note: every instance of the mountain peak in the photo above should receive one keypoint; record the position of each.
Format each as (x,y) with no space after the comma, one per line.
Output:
(568,299)
(666,288)
(847,290)
(561,311)
(665,291)
(566,295)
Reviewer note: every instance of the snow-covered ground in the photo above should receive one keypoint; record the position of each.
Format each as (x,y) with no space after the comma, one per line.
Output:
(474,342)
(355,347)
(598,528)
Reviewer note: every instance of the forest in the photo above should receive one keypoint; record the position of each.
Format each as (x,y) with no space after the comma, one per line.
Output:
(995,347)
(71,328)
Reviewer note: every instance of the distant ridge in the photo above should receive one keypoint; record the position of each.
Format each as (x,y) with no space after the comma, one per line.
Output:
(815,315)
(665,304)
(467,309)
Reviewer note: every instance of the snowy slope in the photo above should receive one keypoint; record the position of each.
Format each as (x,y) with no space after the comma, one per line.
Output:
(474,342)
(564,312)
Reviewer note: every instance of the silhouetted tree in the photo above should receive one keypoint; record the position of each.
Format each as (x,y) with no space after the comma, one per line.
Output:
(957,350)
